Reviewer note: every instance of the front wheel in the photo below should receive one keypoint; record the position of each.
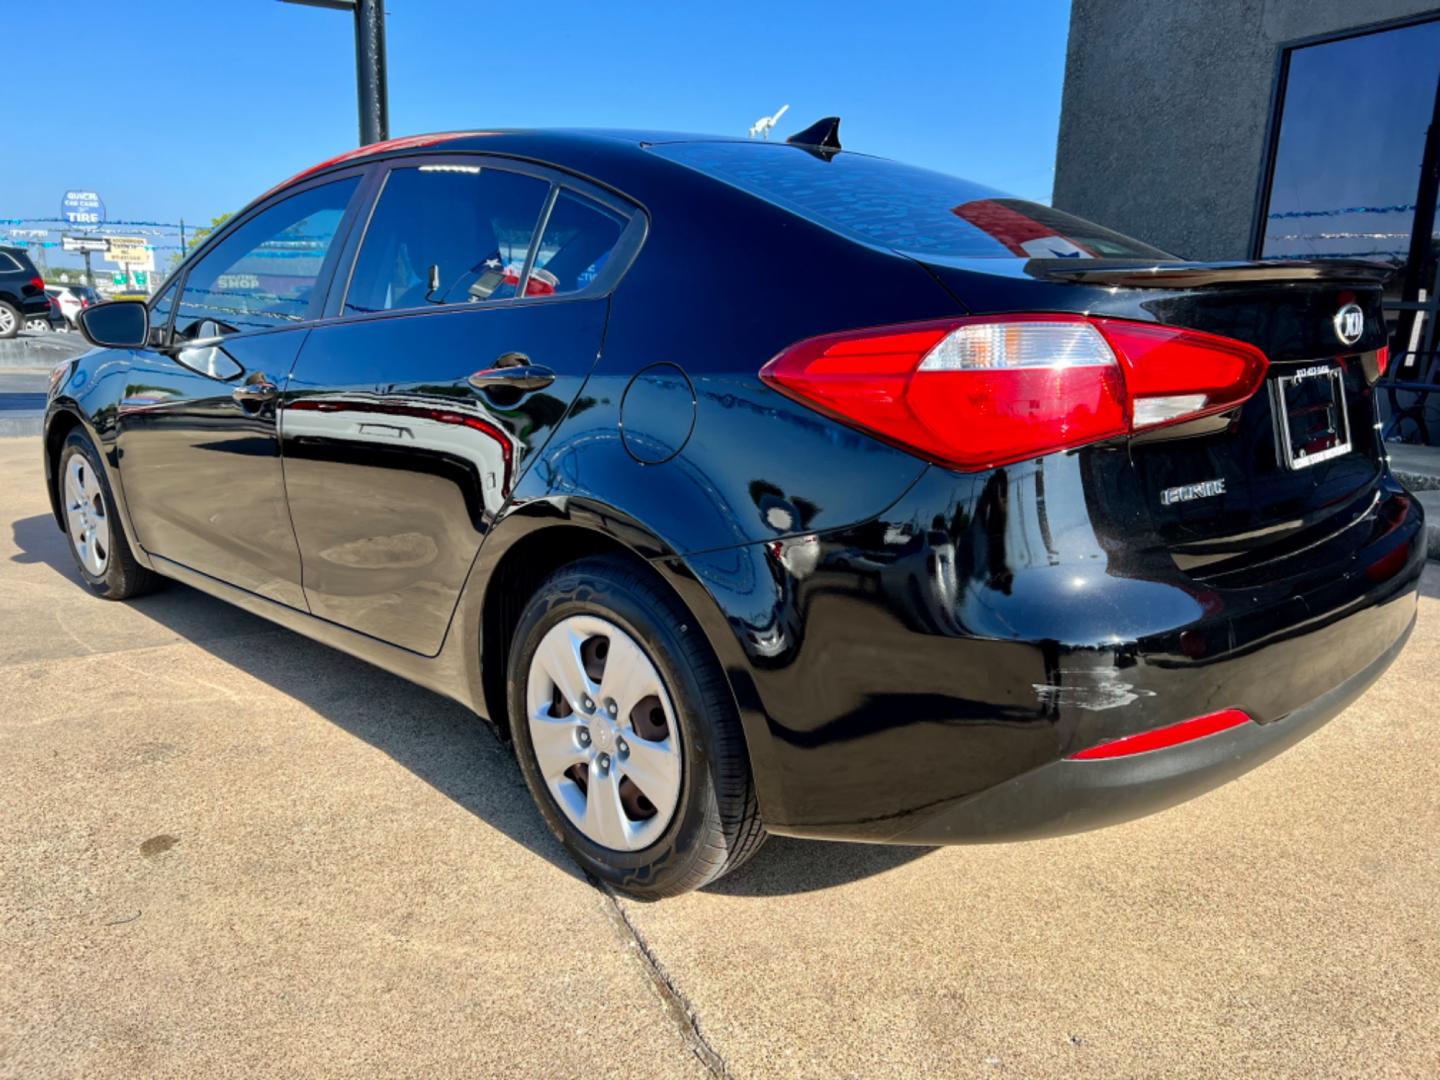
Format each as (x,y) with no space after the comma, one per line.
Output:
(626,732)
(97,540)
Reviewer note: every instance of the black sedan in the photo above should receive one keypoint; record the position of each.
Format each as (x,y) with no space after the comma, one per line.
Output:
(755,487)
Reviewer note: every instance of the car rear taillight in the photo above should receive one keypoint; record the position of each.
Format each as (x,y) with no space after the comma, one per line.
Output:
(1382,359)
(38,282)
(974,393)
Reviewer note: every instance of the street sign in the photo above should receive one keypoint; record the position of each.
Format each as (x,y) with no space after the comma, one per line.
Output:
(83,209)
(82,243)
(142,278)
(129,251)
(117,279)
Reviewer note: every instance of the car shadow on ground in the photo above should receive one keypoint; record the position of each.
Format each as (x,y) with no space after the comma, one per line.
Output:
(438,740)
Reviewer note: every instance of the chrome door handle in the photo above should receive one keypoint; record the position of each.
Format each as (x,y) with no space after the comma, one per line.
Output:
(256,393)
(524,377)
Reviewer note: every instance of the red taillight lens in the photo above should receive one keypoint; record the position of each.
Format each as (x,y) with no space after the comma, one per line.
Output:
(1160,738)
(38,282)
(1175,374)
(979,392)
(1382,360)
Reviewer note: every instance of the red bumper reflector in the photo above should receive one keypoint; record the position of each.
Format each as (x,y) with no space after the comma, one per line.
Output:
(1171,735)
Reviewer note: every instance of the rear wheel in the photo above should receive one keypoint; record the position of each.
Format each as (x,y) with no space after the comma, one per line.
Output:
(626,733)
(97,540)
(10,319)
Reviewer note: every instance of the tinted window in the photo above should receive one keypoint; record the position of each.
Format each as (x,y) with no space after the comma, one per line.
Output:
(446,234)
(1352,133)
(579,237)
(263,274)
(8,262)
(911,210)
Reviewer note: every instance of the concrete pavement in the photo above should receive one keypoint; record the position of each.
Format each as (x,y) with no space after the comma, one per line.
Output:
(226,850)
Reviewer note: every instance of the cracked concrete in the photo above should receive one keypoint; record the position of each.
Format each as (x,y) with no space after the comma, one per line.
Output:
(226,850)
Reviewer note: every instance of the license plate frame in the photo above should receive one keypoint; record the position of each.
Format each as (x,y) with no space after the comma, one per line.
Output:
(1335,438)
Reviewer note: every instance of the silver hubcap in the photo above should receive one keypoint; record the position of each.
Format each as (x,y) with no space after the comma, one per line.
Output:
(604,731)
(7,320)
(85,514)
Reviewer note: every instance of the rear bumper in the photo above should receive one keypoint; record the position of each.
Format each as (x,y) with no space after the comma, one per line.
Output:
(1075,796)
(926,678)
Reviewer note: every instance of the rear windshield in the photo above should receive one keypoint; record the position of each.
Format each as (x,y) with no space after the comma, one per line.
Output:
(914,211)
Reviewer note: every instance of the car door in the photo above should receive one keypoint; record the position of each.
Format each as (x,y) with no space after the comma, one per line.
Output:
(473,314)
(199,450)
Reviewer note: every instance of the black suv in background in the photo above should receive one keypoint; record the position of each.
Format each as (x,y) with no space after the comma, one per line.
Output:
(22,292)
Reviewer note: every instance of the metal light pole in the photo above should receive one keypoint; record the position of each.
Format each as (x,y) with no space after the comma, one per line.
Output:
(369,63)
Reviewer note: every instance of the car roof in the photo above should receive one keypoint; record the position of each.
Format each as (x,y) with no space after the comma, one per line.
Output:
(559,146)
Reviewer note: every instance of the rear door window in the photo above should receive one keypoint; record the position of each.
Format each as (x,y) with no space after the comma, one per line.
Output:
(446,233)
(914,211)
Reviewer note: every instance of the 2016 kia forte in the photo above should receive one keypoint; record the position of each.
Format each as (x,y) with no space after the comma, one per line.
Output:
(755,487)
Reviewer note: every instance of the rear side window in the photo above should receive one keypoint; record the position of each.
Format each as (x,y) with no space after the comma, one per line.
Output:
(913,211)
(579,238)
(264,273)
(9,263)
(446,234)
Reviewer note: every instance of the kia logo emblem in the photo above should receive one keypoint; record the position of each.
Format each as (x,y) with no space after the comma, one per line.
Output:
(1349,324)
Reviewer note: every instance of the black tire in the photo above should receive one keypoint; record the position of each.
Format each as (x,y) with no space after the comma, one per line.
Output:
(716,824)
(16,320)
(123,577)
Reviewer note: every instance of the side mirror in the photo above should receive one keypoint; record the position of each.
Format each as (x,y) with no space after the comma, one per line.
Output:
(118,324)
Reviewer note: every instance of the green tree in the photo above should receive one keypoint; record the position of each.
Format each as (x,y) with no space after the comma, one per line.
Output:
(198,237)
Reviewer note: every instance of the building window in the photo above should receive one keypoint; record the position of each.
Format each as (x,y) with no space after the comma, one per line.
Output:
(1352,135)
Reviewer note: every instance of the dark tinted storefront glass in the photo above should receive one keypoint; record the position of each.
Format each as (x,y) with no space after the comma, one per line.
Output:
(1352,134)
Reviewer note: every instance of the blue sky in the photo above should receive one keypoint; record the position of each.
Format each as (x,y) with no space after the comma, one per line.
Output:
(222,98)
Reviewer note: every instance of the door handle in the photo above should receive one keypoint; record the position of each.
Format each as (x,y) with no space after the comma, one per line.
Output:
(256,393)
(523,377)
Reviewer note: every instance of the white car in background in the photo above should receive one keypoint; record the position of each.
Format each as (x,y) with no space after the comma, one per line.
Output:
(72,300)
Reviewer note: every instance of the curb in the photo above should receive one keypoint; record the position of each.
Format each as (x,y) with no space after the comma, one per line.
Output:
(41,351)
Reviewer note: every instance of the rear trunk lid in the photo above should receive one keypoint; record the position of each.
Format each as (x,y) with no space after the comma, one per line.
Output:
(1299,461)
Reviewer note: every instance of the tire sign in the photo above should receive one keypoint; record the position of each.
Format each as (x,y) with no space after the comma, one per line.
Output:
(82,209)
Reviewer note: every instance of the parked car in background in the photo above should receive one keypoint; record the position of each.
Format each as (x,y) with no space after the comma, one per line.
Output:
(67,303)
(62,301)
(57,321)
(977,522)
(73,299)
(22,292)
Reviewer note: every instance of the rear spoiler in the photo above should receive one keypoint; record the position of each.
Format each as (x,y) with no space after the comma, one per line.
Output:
(1191,275)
